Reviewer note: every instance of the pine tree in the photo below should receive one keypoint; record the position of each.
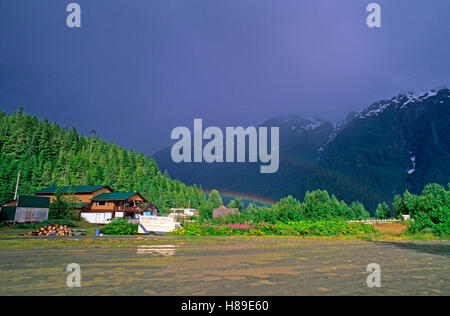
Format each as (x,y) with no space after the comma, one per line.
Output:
(215,199)
(383,211)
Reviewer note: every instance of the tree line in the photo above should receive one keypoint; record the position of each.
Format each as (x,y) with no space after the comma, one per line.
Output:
(50,155)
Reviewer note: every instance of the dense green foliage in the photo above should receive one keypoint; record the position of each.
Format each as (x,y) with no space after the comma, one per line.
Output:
(317,205)
(383,211)
(215,199)
(62,208)
(120,227)
(430,211)
(237,203)
(301,228)
(48,154)
(404,204)
(206,210)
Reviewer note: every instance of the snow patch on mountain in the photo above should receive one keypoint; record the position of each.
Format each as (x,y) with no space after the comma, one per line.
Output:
(312,126)
(375,109)
(416,97)
(400,102)
(413,161)
(302,125)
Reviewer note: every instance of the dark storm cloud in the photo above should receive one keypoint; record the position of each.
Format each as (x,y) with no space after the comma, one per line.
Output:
(138,68)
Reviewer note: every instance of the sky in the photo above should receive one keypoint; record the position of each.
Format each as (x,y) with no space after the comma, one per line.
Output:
(136,69)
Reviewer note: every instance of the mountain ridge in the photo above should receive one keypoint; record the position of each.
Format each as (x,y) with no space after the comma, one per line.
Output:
(392,145)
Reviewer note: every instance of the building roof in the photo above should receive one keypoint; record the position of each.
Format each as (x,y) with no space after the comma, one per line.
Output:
(73,189)
(119,196)
(223,208)
(31,201)
(223,211)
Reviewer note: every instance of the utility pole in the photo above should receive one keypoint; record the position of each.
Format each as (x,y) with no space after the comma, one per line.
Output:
(17,185)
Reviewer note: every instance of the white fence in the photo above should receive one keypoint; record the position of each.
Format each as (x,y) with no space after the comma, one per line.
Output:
(375,221)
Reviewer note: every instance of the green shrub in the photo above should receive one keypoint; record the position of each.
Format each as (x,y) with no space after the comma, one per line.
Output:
(318,205)
(215,199)
(300,228)
(236,204)
(404,205)
(431,211)
(357,211)
(286,210)
(62,208)
(206,210)
(383,211)
(121,227)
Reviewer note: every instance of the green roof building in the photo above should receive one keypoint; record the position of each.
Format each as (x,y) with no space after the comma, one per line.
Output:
(26,209)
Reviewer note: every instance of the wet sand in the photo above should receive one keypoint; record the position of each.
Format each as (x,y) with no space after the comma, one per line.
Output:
(262,266)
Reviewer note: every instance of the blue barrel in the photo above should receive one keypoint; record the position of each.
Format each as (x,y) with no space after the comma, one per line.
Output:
(97,232)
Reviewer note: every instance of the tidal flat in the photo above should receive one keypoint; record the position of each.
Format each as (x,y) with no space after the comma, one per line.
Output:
(230,266)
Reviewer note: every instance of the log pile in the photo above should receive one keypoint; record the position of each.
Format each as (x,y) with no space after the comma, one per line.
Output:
(51,230)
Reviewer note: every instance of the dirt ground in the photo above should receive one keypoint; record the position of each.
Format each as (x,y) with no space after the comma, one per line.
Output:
(395,229)
(232,266)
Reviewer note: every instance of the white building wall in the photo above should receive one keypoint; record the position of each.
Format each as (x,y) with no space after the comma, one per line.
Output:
(97,218)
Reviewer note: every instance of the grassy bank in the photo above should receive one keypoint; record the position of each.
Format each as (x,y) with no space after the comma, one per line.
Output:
(386,234)
(137,241)
(207,232)
(293,229)
(90,228)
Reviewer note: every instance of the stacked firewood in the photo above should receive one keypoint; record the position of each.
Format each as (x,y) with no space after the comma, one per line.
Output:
(51,230)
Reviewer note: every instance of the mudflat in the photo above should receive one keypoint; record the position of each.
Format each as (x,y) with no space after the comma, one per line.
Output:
(231,266)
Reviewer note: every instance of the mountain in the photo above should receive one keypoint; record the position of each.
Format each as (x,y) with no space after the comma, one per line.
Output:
(300,140)
(393,145)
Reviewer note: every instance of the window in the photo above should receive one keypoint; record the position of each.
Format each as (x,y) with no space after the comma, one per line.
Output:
(102,203)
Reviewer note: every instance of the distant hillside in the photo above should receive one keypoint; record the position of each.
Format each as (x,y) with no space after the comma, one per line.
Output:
(48,154)
(393,145)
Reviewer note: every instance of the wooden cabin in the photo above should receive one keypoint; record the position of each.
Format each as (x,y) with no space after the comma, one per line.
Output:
(107,206)
(99,204)
(83,193)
